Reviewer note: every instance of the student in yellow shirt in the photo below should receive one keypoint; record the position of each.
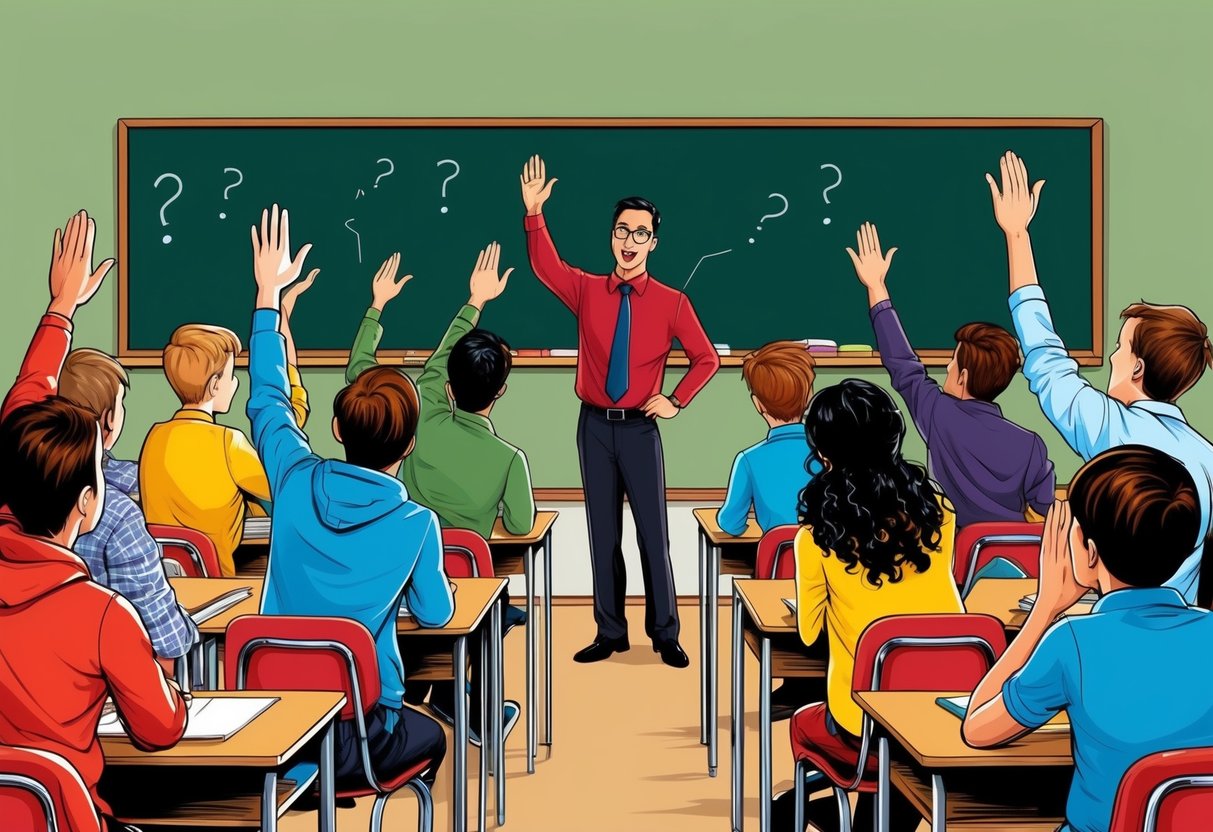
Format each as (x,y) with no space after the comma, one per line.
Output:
(194,472)
(876,540)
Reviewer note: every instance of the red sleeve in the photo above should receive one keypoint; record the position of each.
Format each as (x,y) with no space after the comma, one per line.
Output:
(38,378)
(564,281)
(154,712)
(703,356)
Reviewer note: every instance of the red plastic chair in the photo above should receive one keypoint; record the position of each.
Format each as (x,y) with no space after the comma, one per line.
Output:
(776,558)
(979,543)
(42,792)
(900,652)
(282,652)
(466,554)
(193,552)
(1170,790)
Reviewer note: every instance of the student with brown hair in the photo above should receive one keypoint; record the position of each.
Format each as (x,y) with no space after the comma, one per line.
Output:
(990,468)
(1161,353)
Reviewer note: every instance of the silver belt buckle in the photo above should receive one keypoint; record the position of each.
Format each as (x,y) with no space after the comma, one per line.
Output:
(616,414)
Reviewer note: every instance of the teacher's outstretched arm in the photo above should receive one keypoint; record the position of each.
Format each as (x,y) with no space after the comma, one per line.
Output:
(564,281)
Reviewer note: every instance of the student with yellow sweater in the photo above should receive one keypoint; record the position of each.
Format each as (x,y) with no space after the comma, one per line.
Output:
(194,472)
(876,540)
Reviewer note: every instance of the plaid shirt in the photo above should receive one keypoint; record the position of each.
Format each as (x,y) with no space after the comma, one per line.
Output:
(121,555)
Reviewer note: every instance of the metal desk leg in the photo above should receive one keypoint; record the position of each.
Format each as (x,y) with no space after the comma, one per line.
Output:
(713,654)
(498,705)
(269,803)
(703,638)
(212,664)
(764,738)
(459,777)
(327,816)
(531,706)
(486,734)
(882,785)
(737,724)
(939,804)
(547,638)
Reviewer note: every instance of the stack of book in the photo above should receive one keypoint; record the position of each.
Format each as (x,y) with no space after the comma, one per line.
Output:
(1083,606)
(256,528)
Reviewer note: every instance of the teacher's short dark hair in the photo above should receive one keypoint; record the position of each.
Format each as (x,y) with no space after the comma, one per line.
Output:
(1140,508)
(637,203)
(478,366)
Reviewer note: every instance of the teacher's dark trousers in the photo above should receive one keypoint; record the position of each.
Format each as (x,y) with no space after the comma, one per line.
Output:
(623,456)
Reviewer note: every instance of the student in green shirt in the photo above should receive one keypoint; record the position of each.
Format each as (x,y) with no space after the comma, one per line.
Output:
(460,468)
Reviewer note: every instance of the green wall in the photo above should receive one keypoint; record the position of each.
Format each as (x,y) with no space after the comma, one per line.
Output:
(71,70)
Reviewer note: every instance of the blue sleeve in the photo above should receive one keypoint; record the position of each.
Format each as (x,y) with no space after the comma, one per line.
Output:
(1047,682)
(738,498)
(907,373)
(1089,420)
(280,442)
(428,592)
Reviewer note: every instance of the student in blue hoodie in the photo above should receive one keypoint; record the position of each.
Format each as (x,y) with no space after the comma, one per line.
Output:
(347,540)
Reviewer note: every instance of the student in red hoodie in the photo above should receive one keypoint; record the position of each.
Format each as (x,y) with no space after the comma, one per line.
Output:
(91,643)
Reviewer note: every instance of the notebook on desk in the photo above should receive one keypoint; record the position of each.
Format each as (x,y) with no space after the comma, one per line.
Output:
(1083,604)
(205,612)
(212,718)
(790,603)
(959,705)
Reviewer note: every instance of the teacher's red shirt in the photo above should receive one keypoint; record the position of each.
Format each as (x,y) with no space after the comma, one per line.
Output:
(659,315)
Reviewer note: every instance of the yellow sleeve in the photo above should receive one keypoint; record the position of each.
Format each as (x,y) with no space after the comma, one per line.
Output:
(810,587)
(298,395)
(245,466)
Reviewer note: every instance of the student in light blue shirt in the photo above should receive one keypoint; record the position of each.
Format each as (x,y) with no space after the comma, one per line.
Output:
(1161,353)
(769,476)
(1132,675)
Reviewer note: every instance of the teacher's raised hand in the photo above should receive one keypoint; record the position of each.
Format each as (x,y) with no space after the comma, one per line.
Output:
(536,187)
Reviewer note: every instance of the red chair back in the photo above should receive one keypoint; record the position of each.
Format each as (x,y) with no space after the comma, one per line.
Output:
(466,554)
(927,652)
(1170,790)
(776,558)
(303,652)
(190,549)
(979,543)
(40,791)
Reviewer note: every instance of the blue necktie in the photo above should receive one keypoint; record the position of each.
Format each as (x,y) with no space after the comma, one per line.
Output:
(617,368)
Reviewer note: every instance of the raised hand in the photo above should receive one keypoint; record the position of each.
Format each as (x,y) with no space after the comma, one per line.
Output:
(73,281)
(291,295)
(272,264)
(384,286)
(871,267)
(1059,589)
(536,187)
(1016,203)
(485,285)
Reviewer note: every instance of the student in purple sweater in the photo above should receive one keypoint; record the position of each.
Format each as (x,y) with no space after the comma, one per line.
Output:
(990,468)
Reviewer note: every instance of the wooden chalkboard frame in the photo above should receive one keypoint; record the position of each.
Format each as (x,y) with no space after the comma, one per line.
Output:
(338,358)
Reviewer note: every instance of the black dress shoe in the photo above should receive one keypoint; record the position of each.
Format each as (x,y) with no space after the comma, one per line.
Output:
(671,653)
(602,648)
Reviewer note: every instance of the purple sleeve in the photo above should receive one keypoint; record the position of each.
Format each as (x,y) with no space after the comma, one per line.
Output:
(1040,485)
(909,377)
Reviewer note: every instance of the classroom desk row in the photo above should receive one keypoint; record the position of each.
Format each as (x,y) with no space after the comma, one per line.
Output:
(443,654)
(919,746)
(512,555)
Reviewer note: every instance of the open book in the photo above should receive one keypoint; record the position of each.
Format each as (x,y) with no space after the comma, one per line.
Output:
(212,718)
(205,612)
(958,705)
(1083,606)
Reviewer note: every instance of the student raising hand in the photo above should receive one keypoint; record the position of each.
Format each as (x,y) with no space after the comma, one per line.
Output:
(384,286)
(871,266)
(485,285)
(1016,203)
(272,264)
(73,281)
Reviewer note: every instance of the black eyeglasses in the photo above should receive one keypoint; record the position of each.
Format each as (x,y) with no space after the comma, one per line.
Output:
(640,236)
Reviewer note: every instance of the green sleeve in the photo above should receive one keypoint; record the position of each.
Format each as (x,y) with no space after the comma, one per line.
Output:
(362,354)
(432,382)
(518,503)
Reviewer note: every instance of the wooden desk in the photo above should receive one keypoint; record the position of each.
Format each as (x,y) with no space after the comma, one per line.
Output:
(764,624)
(264,768)
(718,553)
(1021,786)
(514,555)
(999,597)
(196,592)
(479,609)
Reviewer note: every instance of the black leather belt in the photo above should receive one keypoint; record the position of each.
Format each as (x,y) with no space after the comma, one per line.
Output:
(615,414)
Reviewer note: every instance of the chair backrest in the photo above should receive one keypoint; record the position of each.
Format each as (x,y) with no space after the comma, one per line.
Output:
(1170,790)
(776,558)
(303,652)
(927,652)
(193,552)
(979,543)
(42,792)
(466,554)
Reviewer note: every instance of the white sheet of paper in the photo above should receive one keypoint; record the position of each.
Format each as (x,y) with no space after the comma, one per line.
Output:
(212,718)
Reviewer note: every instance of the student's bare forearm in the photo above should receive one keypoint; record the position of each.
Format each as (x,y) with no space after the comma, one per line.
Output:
(1015,657)
(1022,264)
(877,293)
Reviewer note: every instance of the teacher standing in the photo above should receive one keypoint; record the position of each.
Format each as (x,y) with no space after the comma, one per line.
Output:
(626,324)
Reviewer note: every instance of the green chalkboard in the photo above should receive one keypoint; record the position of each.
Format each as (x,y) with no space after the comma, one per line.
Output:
(921,181)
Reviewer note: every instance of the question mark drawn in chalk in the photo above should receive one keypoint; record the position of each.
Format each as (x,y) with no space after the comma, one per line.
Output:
(357,237)
(825,194)
(766,217)
(168,238)
(448,179)
(236,171)
(391,168)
